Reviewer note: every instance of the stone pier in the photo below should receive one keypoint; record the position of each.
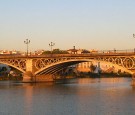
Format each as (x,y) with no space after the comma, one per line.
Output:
(133,80)
(28,77)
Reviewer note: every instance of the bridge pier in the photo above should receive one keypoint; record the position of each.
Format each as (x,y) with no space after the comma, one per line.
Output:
(28,77)
(133,80)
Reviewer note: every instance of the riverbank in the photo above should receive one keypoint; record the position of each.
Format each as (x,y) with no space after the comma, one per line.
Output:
(103,75)
(11,78)
(70,76)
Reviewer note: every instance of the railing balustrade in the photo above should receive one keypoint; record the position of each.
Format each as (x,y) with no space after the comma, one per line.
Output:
(95,53)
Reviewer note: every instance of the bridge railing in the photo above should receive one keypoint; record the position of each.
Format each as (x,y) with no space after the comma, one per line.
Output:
(128,51)
(95,53)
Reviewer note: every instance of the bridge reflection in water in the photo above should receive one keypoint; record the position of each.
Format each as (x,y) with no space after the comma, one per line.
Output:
(34,66)
(105,96)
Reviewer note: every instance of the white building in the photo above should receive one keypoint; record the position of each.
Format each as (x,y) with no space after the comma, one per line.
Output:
(85,67)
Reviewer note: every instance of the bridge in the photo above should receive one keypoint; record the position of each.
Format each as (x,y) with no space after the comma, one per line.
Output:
(34,66)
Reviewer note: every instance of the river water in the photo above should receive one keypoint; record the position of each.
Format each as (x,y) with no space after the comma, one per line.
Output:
(84,96)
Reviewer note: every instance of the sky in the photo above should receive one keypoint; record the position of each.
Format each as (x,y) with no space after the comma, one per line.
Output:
(85,24)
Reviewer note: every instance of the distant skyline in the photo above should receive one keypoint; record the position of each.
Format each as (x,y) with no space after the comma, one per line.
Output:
(86,24)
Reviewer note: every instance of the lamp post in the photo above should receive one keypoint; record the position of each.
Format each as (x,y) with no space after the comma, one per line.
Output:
(134,37)
(27,43)
(51,45)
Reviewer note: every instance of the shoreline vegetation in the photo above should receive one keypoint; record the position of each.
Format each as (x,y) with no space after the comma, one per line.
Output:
(8,77)
(104,75)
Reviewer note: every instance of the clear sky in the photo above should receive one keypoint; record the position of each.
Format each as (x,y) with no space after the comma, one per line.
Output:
(86,24)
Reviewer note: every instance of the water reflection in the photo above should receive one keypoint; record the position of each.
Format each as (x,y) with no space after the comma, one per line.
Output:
(28,99)
(85,96)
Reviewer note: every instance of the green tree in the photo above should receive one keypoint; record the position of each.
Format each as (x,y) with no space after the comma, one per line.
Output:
(56,51)
(46,52)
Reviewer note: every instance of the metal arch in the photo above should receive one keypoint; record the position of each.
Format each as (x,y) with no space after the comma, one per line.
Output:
(55,64)
(64,66)
(118,61)
(103,59)
(79,60)
(127,64)
(56,68)
(106,59)
(20,69)
(118,66)
(134,62)
(40,63)
(110,59)
(51,70)
(22,64)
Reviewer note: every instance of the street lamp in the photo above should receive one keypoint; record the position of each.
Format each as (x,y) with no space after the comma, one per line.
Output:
(51,45)
(134,35)
(27,43)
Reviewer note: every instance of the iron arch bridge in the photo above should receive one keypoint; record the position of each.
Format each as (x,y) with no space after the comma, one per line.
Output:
(51,64)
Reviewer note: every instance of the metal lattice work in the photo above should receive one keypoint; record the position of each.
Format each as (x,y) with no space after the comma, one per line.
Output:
(38,64)
(19,64)
(126,62)
(43,62)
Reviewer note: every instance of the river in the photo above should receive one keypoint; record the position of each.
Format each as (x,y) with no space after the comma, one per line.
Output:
(83,96)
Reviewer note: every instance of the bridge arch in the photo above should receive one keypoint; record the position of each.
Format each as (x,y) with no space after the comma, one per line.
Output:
(13,66)
(54,67)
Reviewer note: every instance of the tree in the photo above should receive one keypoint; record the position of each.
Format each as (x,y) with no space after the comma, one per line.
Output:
(56,51)
(92,68)
(46,52)
(4,69)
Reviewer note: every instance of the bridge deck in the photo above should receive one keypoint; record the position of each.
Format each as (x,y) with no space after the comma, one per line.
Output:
(67,55)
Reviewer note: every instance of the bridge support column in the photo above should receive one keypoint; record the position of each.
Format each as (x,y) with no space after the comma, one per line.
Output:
(133,80)
(28,75)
